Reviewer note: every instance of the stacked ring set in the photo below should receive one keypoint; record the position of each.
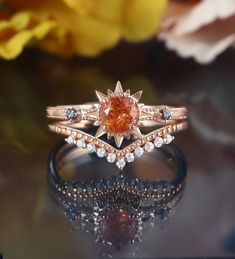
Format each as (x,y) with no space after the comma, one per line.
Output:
(121,117)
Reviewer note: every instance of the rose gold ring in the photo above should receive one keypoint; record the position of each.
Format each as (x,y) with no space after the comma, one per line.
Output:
(120,115)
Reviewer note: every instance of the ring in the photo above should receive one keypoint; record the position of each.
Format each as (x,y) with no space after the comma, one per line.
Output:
(119,222)
(99,190)
(119,115)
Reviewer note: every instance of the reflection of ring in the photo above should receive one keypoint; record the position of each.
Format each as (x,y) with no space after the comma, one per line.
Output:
(118,115)
(93,191)
(118,218)
(119,222)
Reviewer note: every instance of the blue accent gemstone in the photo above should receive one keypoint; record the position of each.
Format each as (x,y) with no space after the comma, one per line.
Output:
(163,213)
(71,113)
(71,214)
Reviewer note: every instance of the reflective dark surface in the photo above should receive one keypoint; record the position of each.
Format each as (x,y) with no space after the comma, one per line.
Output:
(32,225)
(118,221)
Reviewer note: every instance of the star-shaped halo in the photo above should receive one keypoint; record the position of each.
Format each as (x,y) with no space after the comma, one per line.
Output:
(118,114)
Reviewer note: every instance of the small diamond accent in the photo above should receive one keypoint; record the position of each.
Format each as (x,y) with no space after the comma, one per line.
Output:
(139,151)
(166,113)
(121,163)
(81,143)
(90,147)
(167,139)
(101,152)
(130,157)
(158,142)
(70,140)
(111,157)
(71,113)
(149,146)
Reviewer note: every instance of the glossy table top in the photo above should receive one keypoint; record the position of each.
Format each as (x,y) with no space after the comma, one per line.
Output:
(32,226)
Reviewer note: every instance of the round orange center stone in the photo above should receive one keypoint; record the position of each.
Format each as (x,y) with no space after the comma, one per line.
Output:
(118,114)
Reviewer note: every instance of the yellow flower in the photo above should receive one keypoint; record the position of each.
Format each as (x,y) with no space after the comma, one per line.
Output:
(19,30)
(85,27)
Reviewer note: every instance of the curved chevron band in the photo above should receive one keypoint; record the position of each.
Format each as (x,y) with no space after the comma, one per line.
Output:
(147,143)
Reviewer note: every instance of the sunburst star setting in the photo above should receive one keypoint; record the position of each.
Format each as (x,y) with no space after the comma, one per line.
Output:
(118,114)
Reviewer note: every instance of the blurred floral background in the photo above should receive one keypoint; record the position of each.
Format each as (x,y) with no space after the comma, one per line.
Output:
(193,28)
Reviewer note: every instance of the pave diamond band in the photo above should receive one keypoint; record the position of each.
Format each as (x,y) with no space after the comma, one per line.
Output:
(136,149)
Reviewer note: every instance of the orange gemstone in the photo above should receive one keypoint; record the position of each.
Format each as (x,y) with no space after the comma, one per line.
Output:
(118,227)
(119,114)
